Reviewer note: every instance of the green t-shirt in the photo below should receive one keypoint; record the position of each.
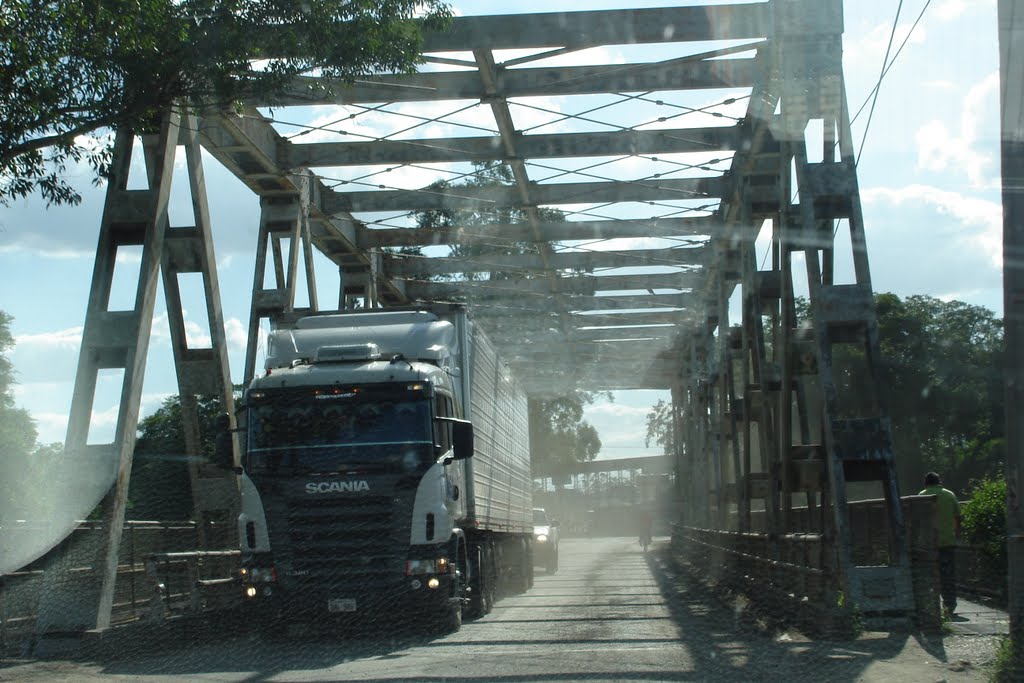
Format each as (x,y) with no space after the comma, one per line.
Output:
(947,512)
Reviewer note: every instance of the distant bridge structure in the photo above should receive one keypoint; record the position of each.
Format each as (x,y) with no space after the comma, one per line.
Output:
(726,131)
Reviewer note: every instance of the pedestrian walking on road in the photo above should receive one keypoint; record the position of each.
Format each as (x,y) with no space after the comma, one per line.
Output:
(947,526)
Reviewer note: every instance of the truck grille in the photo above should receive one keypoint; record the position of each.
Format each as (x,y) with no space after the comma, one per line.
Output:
(326,540)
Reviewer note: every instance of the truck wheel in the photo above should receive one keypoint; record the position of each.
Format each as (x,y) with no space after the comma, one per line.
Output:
(478,602)
(452,622)
(491,576)
(552,563)
(524,578)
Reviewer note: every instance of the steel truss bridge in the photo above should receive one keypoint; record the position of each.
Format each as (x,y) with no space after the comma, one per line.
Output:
(659,215)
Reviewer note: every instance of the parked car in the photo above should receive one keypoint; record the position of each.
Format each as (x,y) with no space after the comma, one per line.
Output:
(545,541)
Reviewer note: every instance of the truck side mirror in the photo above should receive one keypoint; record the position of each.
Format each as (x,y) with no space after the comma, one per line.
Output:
(462,439)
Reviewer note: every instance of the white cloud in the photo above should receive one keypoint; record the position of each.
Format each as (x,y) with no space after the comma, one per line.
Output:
(951,10)
(196,335)
(51,427)
(867,49)
(939,149)
(926,240)
(975,222)
(236,334)
(63,340)
(598,411)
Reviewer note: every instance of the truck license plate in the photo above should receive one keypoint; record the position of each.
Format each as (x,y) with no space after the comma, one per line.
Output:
(341,605)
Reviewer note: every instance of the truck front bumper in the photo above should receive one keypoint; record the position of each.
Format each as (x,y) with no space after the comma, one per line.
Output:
(407,598)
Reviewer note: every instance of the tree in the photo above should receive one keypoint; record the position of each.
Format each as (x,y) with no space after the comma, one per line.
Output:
(469,223)
(17,428)
(560,438)
(160,486)
(939,366)
(940,369)
(984,519)
(73,71)
(18,452)
(659,426)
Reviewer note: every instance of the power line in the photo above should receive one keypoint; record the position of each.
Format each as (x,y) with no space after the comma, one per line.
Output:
(873,95)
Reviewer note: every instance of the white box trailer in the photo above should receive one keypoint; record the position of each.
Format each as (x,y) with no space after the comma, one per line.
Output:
(386,470)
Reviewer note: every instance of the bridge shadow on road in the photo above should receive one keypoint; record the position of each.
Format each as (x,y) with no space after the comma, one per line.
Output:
(730,642)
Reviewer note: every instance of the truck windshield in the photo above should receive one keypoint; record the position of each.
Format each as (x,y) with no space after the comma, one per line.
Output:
(314,433)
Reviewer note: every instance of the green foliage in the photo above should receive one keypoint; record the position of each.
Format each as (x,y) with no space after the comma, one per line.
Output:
(73,70)
(560,438)
(940,378)
(1002,667)
(659,426)
(20,459)
(983,519)
(160,487)
(940,371)
(17,428)
(473,236)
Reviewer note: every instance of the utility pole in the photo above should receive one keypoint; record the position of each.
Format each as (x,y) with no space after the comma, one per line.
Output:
(1011,99)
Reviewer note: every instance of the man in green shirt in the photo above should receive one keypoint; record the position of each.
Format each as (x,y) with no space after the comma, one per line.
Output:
(947,527)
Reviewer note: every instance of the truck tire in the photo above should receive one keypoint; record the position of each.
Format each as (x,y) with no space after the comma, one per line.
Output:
(524,572)
(482,591)
(552,564)
(491,594)
(452,621)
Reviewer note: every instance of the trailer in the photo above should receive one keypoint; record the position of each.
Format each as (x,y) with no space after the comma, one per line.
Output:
(385,471)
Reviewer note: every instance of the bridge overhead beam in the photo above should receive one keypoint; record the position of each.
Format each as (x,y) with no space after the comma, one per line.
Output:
(549,232)
(490,148)
(402,265)
(722,74)
(702,190)
(578,30)
(519,287)
(530,306)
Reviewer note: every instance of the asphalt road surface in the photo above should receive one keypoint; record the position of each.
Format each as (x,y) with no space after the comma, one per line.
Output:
(611,613)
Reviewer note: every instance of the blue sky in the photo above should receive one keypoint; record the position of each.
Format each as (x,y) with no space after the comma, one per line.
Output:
(929,179)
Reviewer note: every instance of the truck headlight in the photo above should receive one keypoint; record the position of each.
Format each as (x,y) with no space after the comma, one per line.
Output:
(258,574)
(437,565)
(542,538)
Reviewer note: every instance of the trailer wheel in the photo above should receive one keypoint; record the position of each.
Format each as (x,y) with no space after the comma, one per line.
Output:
(491,574)
(524,572)
(529,565)
(552,563)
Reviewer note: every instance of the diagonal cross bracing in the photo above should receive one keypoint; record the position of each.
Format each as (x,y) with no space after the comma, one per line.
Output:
(640,191)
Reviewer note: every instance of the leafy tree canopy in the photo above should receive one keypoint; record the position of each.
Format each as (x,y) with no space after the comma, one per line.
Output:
(940,369)
(71,71)
(17,428)
(940,373)
(160,487)
(560,438)
(659,426)
(469,224)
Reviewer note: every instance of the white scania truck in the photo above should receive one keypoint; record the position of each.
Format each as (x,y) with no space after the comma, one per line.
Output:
(386,471)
